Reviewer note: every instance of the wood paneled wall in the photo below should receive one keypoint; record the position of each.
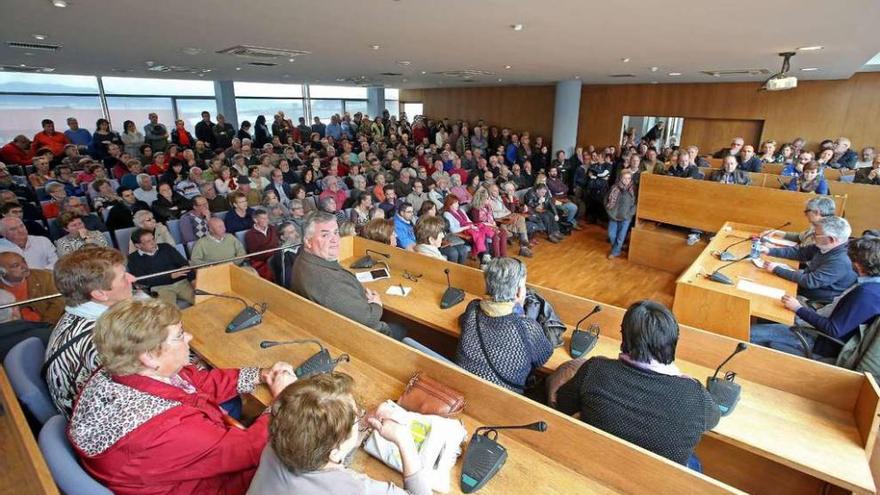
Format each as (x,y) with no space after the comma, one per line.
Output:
(517,107)
(815,110)
(714,134)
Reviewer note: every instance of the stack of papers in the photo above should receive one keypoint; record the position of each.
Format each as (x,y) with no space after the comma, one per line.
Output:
(397,290)
(761,290)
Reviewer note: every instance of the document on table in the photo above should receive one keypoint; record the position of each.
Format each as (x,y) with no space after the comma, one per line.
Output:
(761,290)
(781,242)
(398,290)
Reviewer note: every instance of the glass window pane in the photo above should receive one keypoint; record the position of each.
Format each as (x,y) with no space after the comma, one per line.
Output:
(355,106)
(392,94)
(268,90)
(190,110)
(413,109)
(136,109)
(143,86)
(325,109)
(249,108)
(352,92)
(47,83)
(393,107)
(22,114)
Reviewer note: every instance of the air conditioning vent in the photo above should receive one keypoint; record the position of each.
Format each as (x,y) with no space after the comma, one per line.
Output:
(25,68)
(390,74)
(469,73)
(177,69)
(736,72)
(263,64)
(621,75)
(262,52)
(45,47)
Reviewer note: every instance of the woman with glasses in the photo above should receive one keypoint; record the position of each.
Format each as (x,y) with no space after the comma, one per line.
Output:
(316,426)
(144,219)
(150,422)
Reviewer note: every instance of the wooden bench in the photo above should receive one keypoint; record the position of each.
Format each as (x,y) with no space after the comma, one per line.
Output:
(24,468)
(796,418)
(570,457)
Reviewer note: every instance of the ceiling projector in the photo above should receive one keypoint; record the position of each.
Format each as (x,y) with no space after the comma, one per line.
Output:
(781,80)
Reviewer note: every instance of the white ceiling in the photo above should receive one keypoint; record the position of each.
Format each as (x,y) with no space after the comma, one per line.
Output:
(561,39)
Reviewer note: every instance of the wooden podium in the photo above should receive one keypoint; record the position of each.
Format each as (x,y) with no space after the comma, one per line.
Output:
(570,457)
(726,309)
(799,422)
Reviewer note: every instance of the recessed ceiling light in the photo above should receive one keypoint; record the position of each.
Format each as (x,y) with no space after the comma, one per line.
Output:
(809,69)
(40,37)
(507,66)
(201,75)
(654,82)
(192,51)
(578,78)
(404,80)
(517,27)
(22,65)
(499,79)
(424,72)
(375,47)
(655,69)
(59,3)
(810,48)
(625,59)
(149,63)
(291,60)
(238,68)
(675,73)
(403,62)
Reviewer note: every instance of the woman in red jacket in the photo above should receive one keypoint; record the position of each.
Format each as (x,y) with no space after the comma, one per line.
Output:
(148,422)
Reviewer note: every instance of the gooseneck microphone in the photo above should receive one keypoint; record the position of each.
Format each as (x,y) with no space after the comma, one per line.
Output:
(320,362)
(485,456)
(726,255)
(367,261)
(583,341)
(249,316)
(452,295)
(721,278)
(724,391)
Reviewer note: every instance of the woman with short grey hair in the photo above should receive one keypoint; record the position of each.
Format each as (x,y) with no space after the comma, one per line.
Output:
(815,210)
(498,342)
(144,219)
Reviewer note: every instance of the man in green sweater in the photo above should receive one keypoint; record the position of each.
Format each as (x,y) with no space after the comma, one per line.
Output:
(217,245)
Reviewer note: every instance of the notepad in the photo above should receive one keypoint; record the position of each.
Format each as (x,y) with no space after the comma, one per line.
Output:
(395,290)
(759,289)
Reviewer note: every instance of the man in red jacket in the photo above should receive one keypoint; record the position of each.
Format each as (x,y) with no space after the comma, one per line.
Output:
(17,151)
(48,138)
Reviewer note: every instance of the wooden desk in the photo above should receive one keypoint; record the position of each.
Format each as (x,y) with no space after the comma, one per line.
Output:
(800,423)
(569,457)
(699,302)
(24,469)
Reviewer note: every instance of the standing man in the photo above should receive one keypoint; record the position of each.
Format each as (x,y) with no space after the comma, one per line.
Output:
(223,132)
(318,276)
(156,134)
(49,138)
(205,130)
(77,135)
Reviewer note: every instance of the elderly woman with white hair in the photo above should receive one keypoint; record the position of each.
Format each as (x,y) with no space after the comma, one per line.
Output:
(498,342)
(144,219)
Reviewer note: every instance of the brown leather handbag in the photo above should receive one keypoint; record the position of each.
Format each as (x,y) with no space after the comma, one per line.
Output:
(427,396)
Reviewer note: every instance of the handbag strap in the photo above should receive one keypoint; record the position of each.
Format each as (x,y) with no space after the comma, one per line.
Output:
(486,354)
(67,345)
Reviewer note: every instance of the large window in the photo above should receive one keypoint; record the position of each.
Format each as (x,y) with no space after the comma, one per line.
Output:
(190,110)
(325,109)
(169,87)
(355,106)
(20,82)
(265,90)
(21,114)
(392,101)
(413,109)
(249,108)
(345,92)
(137,109)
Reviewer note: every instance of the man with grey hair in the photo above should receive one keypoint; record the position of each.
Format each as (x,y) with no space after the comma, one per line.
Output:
(867,161)
(828,270)
(318,276)
(816,209)
(155,134)
(281,262)
(843,156)
(145,191)
(38,251)
(498,342)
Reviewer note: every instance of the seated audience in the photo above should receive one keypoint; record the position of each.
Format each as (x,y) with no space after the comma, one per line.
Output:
(815,210)
(240,215)
(512,222)
(404,229)
(122,211)
(389,203)
(429,234)
(194,223)
(809,181)
(461,225)
(38,251)
(281,263)
(857,305)
(15,210)
(749,161)
(453,247)
(498,342)
(543,209)
(380,230)
(153,257)
(56,193)
(170,204)
(828,269)
(165,417)
(25,283)
(869,174)
(91,280)
(77,204)
(642,397)
(559,192)
(318,276)
(78,236)
(314,464)
(481,213)
(216,203)
(217,245)
(729,173)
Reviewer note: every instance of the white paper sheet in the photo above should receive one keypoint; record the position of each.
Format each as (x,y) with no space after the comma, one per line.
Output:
(758,262)
(781,242)
(395,290)
(760,289)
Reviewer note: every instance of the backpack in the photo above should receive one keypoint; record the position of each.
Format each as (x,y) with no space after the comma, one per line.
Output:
(862,352)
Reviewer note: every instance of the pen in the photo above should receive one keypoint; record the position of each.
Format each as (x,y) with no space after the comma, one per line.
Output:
(402,292)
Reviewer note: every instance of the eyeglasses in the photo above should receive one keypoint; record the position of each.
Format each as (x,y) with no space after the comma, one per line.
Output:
(412,277)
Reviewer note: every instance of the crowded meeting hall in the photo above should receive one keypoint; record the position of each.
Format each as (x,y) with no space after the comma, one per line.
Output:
(380,267)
